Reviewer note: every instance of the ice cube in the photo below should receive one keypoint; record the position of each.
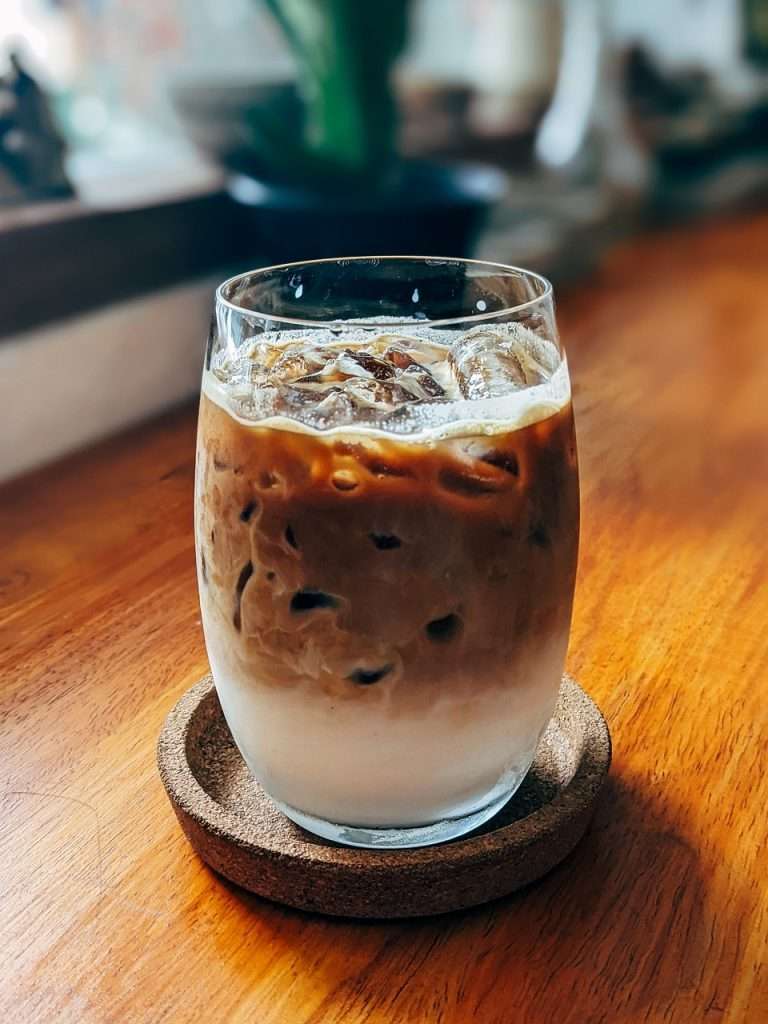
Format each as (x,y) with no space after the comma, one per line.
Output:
(335,377)
(419,381)
(398,357)
(336,405)
(538,357)
(274,364)
(294,363)
(488,362)
(484,367)
(373,394)
(370,364)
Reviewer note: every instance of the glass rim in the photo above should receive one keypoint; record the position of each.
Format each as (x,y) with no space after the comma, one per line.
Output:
(473,318)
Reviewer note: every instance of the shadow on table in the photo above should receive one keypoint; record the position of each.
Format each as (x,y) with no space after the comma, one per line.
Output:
(625,927)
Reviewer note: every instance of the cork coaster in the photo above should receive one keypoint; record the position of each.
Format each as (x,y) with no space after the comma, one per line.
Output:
(236,829)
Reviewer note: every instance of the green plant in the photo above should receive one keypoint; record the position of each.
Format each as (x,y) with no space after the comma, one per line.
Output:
(345,51)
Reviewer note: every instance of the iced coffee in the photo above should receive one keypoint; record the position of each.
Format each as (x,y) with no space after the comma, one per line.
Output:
(387,529)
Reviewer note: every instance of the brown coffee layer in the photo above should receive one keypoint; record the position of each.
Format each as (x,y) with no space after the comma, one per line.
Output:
(356,563)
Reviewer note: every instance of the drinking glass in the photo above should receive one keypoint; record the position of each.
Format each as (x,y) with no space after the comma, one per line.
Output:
(387,520)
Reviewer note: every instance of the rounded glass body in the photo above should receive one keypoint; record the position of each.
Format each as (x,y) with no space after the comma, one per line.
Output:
(387,526)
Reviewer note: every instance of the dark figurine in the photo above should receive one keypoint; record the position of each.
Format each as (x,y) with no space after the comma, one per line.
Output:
(31,147)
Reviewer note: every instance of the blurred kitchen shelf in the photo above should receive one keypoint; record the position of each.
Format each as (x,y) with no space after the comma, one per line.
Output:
(66,258)
(106,304)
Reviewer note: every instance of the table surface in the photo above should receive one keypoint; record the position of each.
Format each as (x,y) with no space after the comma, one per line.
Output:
(661,914)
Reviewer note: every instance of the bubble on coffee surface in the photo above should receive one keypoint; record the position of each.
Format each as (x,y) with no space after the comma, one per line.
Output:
(245,574)
(444,629)
(248,510)
(539,535)
(367,677)
(394,381)
(385,541)
(308,600)
(344,480)
(507,461)
(465,483)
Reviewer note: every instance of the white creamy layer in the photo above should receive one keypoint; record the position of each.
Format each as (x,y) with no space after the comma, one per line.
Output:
(355,762)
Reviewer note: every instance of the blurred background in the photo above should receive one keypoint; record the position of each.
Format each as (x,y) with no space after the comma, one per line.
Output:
(150,148)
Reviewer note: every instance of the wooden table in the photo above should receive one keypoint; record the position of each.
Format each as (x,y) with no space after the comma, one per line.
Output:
(660,915)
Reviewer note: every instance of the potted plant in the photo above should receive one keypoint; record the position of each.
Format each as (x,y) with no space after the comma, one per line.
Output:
(315,162)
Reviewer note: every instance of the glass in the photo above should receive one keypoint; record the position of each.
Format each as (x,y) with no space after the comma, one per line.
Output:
(387,527)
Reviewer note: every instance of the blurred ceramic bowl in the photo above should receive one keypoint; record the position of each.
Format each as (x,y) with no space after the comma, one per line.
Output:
(420,207)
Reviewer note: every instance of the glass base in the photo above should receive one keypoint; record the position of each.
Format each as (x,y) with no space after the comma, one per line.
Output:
(397,838)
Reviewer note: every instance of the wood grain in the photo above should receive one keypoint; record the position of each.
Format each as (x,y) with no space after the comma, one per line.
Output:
(660,915)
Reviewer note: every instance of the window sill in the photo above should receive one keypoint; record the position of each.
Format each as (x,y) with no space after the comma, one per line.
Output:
(66,385)
(64,259)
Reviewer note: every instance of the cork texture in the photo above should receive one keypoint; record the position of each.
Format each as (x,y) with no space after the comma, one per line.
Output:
(238,832)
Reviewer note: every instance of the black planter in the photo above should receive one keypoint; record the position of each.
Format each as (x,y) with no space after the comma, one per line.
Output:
(430,209)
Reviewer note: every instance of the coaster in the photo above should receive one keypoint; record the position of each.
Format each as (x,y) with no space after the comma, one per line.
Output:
(236,829)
